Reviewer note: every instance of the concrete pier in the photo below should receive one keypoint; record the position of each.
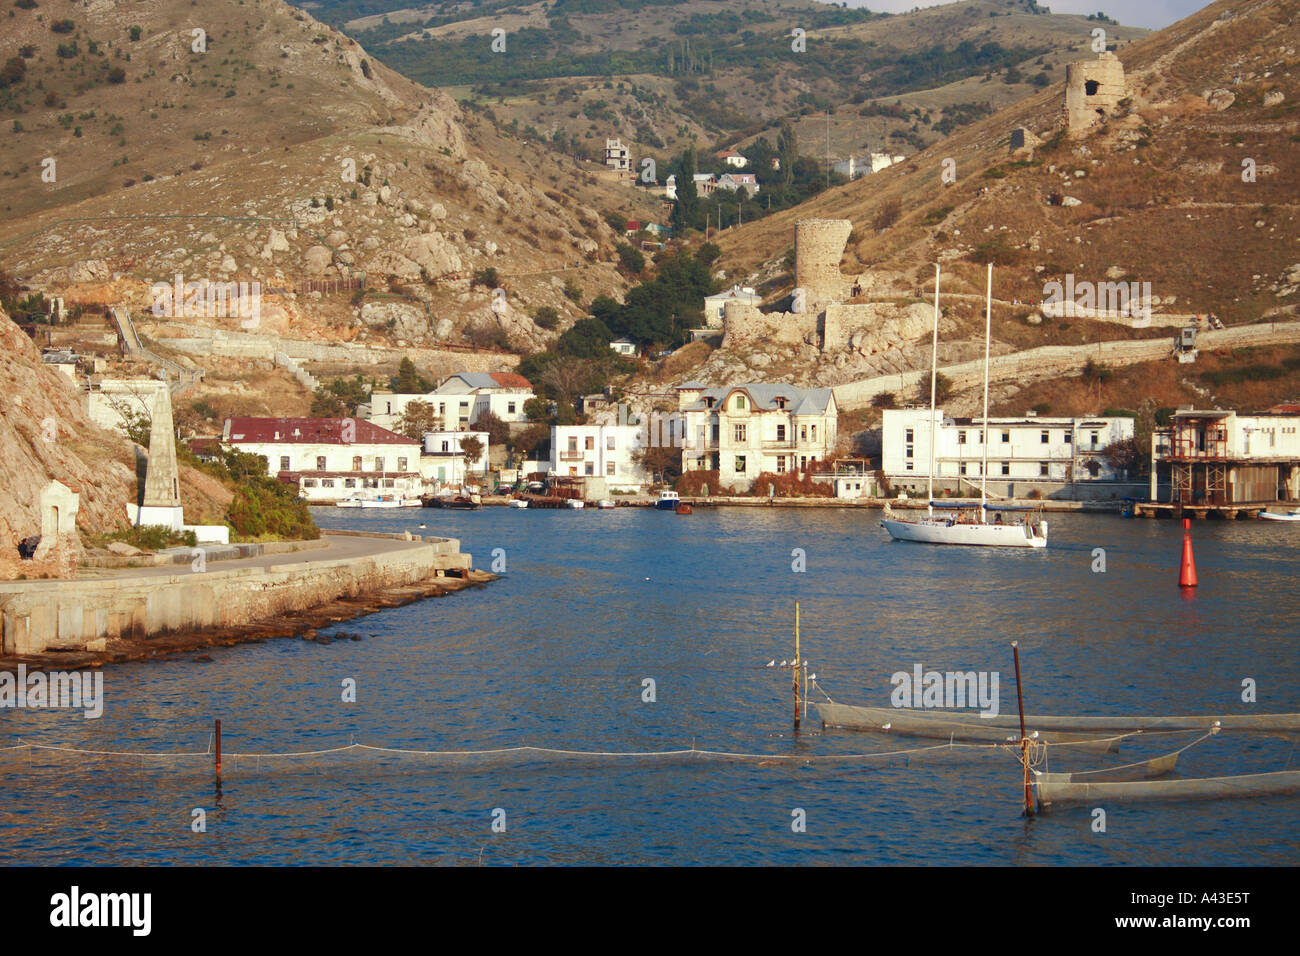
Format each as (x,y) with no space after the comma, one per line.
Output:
(86,612)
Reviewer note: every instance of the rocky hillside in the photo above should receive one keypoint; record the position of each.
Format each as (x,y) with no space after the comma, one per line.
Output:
(1188,184)
(46,436)
(271,148)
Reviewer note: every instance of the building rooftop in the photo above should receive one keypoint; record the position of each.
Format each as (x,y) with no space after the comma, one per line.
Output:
(800,401)
(314,431)
(463,382)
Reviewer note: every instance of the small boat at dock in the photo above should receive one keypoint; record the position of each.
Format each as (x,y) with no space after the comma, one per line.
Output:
(575,503)
(668,501)
(518,503)
(604,504)
(684,509)
(1293,515)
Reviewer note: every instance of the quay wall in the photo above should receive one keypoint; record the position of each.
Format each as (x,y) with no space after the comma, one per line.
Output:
(38,617)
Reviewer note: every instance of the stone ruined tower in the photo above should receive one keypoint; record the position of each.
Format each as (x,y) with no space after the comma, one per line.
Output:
(818,248)
(1093,89)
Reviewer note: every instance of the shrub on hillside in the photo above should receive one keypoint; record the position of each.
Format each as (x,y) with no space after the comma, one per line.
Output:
(693,483)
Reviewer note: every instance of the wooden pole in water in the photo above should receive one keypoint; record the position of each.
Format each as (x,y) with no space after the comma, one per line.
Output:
(796,665)
(218,747)
(1024,740)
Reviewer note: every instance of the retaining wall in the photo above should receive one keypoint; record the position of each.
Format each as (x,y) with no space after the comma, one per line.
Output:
(1063,359)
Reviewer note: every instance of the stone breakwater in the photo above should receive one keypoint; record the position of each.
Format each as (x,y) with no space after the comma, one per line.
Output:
(123,614)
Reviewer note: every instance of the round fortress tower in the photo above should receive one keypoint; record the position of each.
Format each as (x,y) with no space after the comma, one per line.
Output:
(818,248)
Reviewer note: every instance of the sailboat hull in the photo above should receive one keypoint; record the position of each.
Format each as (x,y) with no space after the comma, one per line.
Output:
(937,531)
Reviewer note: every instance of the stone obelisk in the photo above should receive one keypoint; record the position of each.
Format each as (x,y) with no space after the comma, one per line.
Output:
(162,493)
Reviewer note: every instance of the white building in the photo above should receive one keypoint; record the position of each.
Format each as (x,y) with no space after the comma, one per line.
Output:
(733,158)
(617,156)
(623,346)
(604,451)
(1023,451)
(881,161)
(329,458)
(715,305)
(459,401)
(742,431)
(443,460)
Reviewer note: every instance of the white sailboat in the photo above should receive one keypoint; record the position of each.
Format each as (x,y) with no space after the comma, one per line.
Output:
(965,525)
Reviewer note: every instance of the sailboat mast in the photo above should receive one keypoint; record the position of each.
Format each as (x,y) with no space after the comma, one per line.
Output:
(934,373)
(988,331)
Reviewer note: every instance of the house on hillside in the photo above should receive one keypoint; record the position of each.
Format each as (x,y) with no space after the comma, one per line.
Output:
(733,158)
(733,182)
(705,183)
(623,347)
(741,431)
(617,156)
(329,459)
(459,401)
(715,305)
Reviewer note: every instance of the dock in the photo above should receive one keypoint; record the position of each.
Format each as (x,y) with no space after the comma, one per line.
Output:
(1230,512)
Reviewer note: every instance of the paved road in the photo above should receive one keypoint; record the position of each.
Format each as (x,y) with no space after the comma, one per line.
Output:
(341,547)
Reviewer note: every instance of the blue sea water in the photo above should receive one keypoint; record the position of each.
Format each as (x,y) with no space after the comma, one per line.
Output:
(591,605)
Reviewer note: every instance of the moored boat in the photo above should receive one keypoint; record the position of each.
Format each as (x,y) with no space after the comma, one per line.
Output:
(684,509)
(518,503)
(575,503)
(1293,515)
(668,501)
(604,503)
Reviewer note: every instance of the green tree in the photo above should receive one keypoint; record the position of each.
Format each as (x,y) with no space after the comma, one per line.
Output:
(417,419)
(632,259)
(686,210)
(408,380)
(471,448)
(498,431)
(787,150)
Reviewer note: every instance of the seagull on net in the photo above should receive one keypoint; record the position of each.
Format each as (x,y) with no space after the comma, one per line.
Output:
(771,663)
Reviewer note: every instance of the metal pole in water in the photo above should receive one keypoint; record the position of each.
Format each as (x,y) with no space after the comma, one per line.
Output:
(218,748)
(796,665)
(1024,741)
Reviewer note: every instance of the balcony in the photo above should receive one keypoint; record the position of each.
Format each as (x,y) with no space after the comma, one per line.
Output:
(572,455)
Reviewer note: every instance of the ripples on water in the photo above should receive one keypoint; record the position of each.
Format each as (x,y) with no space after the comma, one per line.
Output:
(593,602)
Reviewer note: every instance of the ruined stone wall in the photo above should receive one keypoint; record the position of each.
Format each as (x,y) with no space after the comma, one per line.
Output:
(818,248)
(1093,89)
(745,325)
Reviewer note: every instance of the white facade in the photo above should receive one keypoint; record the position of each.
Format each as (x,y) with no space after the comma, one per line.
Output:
(459,401)
(617,156)
(733,158)
(742,431)
(604,451)
(443,460)
(736,181)
(1020,449)
(314,455)
(623,346)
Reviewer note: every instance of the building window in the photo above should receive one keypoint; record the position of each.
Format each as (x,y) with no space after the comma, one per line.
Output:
(356,462)
(609,468)
(389,483)
(379,463)
(573,444)
(961,438)
(349,482)
(510,408)
(1042,469)
(780,464)
(780,433)
(309,483)
(327,482)
(284,463)
(740,464)
(320,462)
(609,439)
(401,464)
(908,454)
(442,409)
(961,469)
(1044,436)
(740,403)
(909,466)
(590,468)
(1094,436)
(446,446)
(1006,468)
(907,437)
(1006,437)
(589,443)
(739,433)
(1068,438)
(814,433)
(803,432)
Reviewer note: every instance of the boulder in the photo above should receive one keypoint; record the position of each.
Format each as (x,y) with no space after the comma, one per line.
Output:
(1221,99)
(1274,97)
(316,260)
(434,253)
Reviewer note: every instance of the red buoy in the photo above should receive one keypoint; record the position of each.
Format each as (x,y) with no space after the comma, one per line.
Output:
(1187,574)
